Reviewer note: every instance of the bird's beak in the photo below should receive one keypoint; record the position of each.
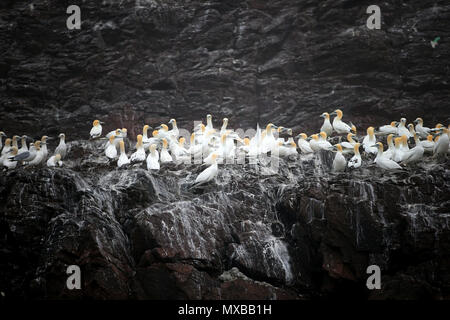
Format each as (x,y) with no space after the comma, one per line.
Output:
(297,136)
(333,113)
(158,127)
(308,139)
(375,145)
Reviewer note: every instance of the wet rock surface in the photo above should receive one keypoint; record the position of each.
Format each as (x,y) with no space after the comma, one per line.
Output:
(299,233)
(302,233)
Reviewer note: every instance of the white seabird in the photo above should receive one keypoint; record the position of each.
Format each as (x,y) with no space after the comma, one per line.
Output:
(110,148)
(338,125)
(208,174)
(415,154)
(369,141)
(54,160)
(165,156)
(39,158)
(123,159)
(355,161)
(339,162)
(383,162)
(8,161)
(139,155)
(61,149)
(96,130)
(326,126)
(422,131)
(441,146)
(303,144)
(402,130)
(153,158)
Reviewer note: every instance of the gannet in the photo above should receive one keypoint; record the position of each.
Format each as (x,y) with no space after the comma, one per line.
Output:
(165,156)
(326,126)
(8,161)
(338,125)
(389,153)
(303,144)
(153,158)
(7,146)
(24,146)
(44,146)
(411,129)
(245,145)
(398,152)
(269,143)
(145,138)
(61,149)
(369,141)
(383,162)
(287,149)
(428,145)
(415,154)
(163,132)
(209,124)
(39,158)
(174,133)
(139,155)
(387,129)
(14,142)
(323,143)
(404,146)
(441,146)
(117,133)
(208,174)
(348,145)
(422,131)
(314,143)
(339,162)
(179,152)
(96,130)
(220,151)
(123,159)
(31,152)
(110,148)
(223,129)
(355,161)
(402,130)
(54,160)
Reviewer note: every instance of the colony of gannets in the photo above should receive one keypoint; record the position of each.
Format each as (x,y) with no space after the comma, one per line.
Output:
(406,145)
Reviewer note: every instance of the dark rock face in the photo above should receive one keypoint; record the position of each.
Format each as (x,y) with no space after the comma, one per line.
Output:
(303,233)
(298,234)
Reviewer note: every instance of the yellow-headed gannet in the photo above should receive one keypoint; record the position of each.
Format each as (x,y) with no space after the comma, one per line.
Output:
(355,161)
(428,145)
(61,149)
(123,158)
(287,149)
(245,147)
(348,146)
(145,137)
(14,141)
(402,130)
(338,125)
(422,131)
(44,146)
(369,141)
(339,162)
(323,143)
(326,126)
(209,124)
(139,155)
(179,152)
(411,129)
(415,154)
(5,151)
(54,161)
(24,146)
(153,158)
(314,143)
(383,162)
(96,130)
(389,153)
(8,161)
(174,133)
(441,146)
(39,158)
(404,146)
(165,156)
(268,142)
(110,148)
(387,129)
(208,174)
(117,133)
(223,129)
(398,152)
(303,144)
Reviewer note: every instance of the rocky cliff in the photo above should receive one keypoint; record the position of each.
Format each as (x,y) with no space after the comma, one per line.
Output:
(301,233)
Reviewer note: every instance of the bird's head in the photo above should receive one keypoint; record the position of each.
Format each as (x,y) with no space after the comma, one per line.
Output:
(155,133)
(214,157)
(152,148)
(57,157)
(394,123)
(181,141)
(325,115)
(96,123)
(323,134)
(430,137)
(418,121)
(315,137)
(338,113)
(247,141)
(173,122)
(2,134)
(14,151)
(62,136)
(225,121)
(37,145)
(139,139)
(370,131)
(403,121)
(146,127)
